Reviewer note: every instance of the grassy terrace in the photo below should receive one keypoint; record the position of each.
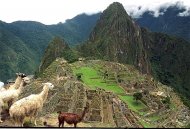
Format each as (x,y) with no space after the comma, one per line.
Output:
(93,79)
(133,105)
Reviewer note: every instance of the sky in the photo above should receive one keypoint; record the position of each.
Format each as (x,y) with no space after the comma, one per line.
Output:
(55,11)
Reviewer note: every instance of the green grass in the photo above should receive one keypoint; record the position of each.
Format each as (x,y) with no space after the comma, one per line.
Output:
(91,78)
(146,125)
(133,105)
(154,118)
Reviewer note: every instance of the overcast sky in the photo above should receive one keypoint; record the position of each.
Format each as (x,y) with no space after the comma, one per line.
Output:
(54,11)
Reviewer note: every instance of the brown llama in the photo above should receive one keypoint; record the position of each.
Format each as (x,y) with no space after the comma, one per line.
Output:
(70,118)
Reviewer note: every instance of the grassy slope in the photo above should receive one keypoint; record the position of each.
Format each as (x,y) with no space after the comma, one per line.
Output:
(92,78)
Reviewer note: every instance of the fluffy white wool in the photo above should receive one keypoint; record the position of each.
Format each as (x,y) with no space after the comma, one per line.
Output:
(29,106)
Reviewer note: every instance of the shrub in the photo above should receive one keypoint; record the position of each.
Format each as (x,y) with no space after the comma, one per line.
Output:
(79,76)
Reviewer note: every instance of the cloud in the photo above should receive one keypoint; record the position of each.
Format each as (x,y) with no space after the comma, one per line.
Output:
(55,11)
(185,13)
(157,10)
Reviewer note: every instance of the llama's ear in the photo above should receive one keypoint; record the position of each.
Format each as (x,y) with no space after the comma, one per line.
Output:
(17,74)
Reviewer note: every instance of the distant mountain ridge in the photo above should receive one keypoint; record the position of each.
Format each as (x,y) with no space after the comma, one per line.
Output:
(170,22)
(34,38)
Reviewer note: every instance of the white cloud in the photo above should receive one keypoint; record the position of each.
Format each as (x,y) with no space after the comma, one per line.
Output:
(185,13)
(54,11)
(136,12)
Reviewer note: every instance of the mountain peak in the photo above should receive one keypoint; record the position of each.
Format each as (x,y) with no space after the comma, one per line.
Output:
(55,49)
(116,37)
(115,5)
(115,8)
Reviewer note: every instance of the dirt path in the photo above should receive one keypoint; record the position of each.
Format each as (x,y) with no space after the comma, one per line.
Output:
(50,119)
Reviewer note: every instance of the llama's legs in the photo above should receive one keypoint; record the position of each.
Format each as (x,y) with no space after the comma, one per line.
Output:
(63,123)
(20,124)
(1,105)
(21,121)
(10,102)
(75,125)
(31,119)
(16,124)
(35,117)
(59,123)
(35,121)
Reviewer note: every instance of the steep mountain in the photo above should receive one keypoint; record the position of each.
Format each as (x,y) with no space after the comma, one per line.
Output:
(26,39)
(116,37)
(35,36)
(170,22)
(15,56)
(170,60)
(57,48)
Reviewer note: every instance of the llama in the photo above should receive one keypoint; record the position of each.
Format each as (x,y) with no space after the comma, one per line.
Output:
(17,81)
(29,106)
(70,118)
(11,95)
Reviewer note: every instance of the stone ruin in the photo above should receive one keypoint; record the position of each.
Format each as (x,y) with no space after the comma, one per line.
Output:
(104,107)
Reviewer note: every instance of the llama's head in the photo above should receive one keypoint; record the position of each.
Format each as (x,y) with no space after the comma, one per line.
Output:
(26,80)
(22,75)
(50,85)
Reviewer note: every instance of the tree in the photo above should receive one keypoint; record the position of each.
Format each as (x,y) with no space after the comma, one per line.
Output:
(137,96)
(79,75)
(166,101)
(105,75)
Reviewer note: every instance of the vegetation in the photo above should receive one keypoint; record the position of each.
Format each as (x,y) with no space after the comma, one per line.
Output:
(23,42)
(79,76)
(15,56)
(57,48)
(137,96)
(170,22)
(166,100)
(116,38)
(94,80)
(132,104)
